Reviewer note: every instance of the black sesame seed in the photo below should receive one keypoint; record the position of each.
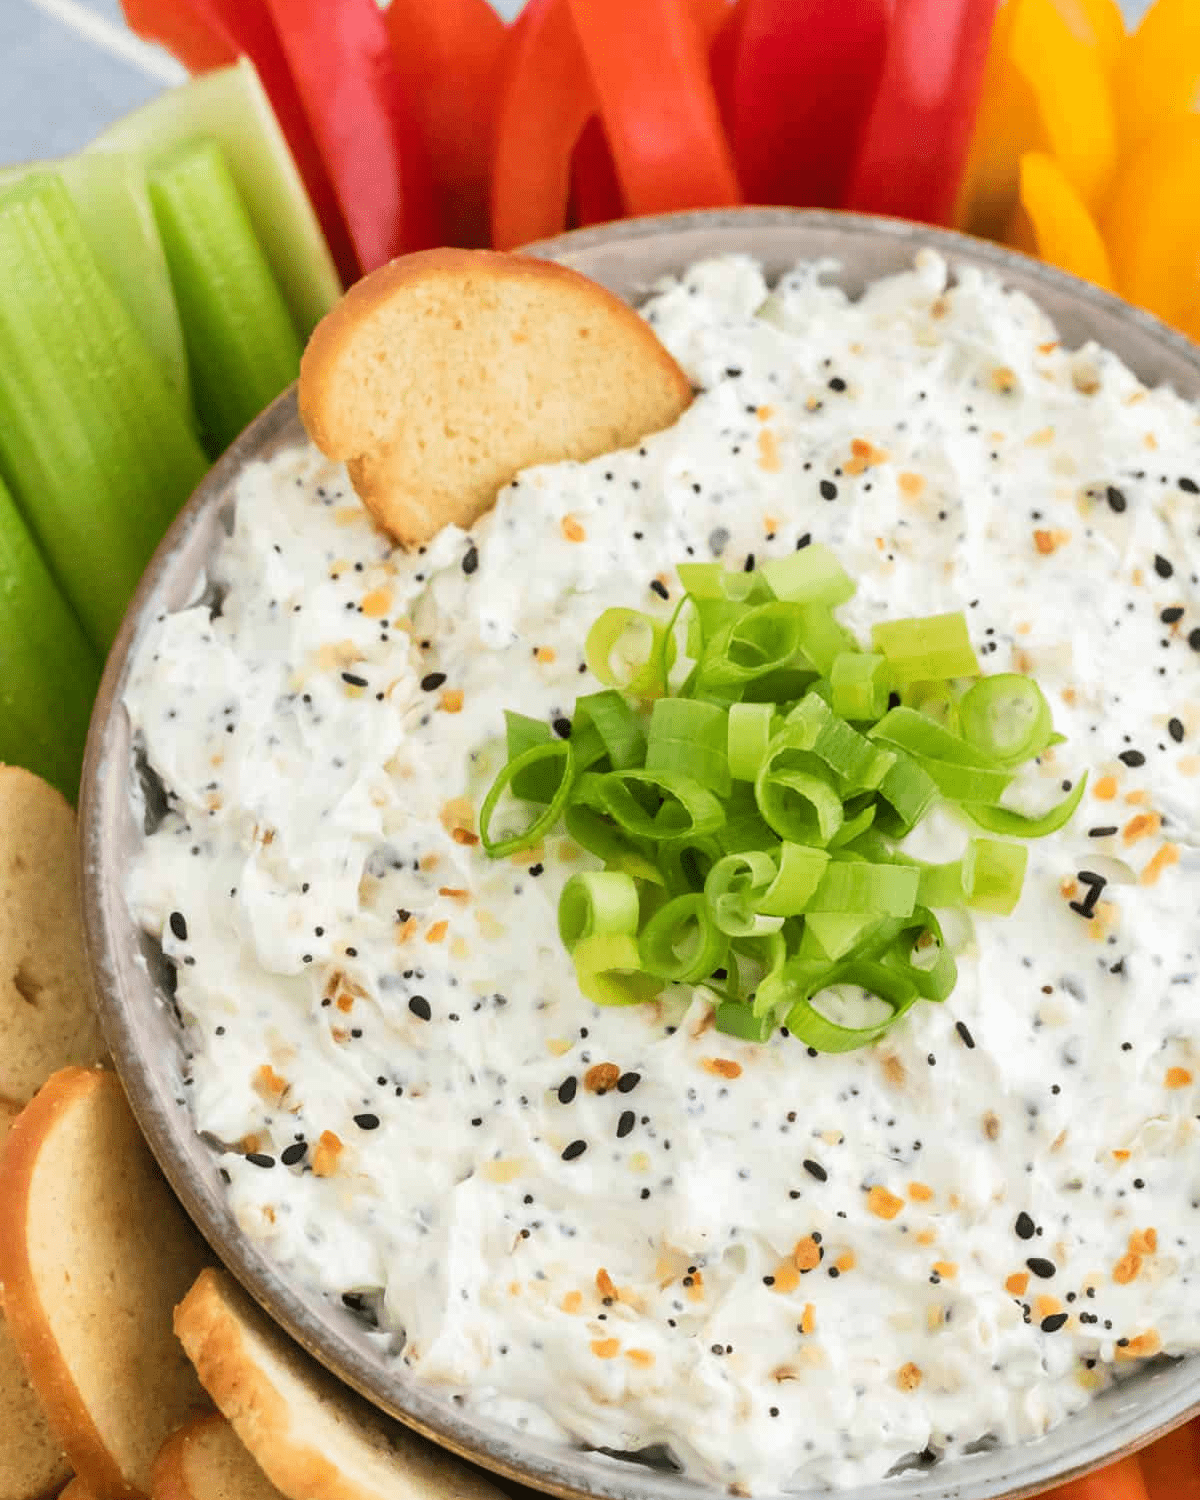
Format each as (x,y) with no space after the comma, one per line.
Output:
(628,1082)
(432,681)
(1175,730)
(1102,831)
(1054,1322)
(1116,499)
(294,1153)
(567,1089)
(828,489)
(1172,614)
(626,1123)
(1024,1226)
(575,1149)
(748,565)
(815,1169)
(1194,639)
(367,1122)
(1132,758)
(1162,566)
(354,679)
(1043,1268)
(967,1039)
(1189,486)
(260,1159)
(562,728)
(420,1008)
(837,384)
(471,560)
(660,588)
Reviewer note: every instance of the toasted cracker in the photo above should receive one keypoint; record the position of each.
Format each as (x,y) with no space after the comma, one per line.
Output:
(47,1020)
(313,1437)
(439,376)
(94,1254)
(32,1462)
(205,1460)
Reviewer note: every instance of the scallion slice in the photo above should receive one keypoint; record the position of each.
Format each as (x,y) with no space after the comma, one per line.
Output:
(1006,718)
(860,685)
(690,738)
(626,649)
(930,649)
(681,943)
(602,902)
(535,756)
(609,971)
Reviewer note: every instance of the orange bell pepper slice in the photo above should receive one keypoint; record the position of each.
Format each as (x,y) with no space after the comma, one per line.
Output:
(649,69)
(448,55)
(1158,75)
(1152,221)
(1044,90)
(1052,223)
(545,100)
(1171,1466)
(1098,23)
(1120,1481)
(913,145)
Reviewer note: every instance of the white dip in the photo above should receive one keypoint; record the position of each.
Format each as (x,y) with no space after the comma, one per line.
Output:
(383,1025)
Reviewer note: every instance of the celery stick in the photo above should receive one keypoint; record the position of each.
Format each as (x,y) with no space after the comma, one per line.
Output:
(242,347)
(93,442)
(118,222)
(230,107)
(48,670)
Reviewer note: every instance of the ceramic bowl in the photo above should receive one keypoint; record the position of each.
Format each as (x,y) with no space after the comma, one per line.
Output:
(133,983)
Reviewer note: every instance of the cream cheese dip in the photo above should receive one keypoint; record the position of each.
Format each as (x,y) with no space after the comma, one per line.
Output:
(580,1220)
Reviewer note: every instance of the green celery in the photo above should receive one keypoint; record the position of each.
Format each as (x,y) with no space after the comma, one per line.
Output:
(230,107)
(93,441)
(242,347)
(48,670)
(118,224)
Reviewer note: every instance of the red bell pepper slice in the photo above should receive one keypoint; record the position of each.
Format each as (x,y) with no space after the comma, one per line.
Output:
(448,54)
(911,156)
(710,16)
(802,76)
(545,101)
(595,191)
(348,82)
(649,68)
(207,34)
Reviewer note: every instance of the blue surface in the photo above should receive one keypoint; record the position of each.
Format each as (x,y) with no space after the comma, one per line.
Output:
(59,85)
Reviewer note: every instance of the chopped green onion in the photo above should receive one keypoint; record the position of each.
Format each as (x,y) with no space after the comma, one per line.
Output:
(1004,820)
(1006,718)
(806,1023)
(651,805)
(609,971)
(749,734)
(616,726)
(681,942)
(597,902)
(556,750)
(638,644)
(796,794)
(735,1019)
(749,831)
(932,648)
(993,874)
(690,738)
(860,685)
(734,889)
(811,576)
(855,885)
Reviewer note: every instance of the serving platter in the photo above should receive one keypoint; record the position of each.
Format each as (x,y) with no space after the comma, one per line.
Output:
(133,982)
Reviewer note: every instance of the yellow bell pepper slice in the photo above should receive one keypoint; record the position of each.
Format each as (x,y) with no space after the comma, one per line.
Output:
(1052,222)
(1046,90)
(1100,24)
(1158,74)
(1152,221)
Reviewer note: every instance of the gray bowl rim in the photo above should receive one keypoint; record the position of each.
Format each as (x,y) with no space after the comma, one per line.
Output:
(1142,1409)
